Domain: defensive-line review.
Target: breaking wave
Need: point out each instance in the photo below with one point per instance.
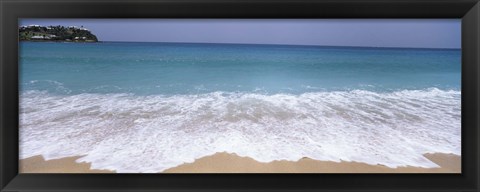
(131, 133)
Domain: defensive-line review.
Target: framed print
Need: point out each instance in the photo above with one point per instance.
(219, 96)
(223, 95)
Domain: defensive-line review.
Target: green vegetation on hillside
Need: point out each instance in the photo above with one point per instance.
(56, 33)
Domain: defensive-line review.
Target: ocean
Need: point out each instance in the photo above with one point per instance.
(147, 107)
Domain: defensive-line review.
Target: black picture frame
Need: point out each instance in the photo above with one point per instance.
(12, 10)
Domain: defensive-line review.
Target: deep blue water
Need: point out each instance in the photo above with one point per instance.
(182, 68)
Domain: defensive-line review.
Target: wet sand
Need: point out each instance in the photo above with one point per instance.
(37, 164)
(231, 163)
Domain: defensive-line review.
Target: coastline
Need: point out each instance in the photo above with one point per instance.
(232, 163)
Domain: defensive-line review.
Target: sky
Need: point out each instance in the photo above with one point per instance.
(414, 33)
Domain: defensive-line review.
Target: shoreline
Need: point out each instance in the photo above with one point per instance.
(231, 163)
(37, 164)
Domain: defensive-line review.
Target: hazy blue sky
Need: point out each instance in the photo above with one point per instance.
(433, 33)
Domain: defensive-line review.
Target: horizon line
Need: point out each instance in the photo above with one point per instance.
(310, 45)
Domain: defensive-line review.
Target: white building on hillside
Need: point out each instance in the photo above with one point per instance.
(37, 37)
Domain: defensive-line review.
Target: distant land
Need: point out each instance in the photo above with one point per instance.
(56, 33)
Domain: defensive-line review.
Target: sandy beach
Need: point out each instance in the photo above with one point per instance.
(37, 164)
(231, 163)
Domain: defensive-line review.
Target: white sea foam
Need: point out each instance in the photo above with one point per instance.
(129, 133)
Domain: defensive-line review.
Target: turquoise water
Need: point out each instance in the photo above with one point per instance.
(147, 107)
(181, 68)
